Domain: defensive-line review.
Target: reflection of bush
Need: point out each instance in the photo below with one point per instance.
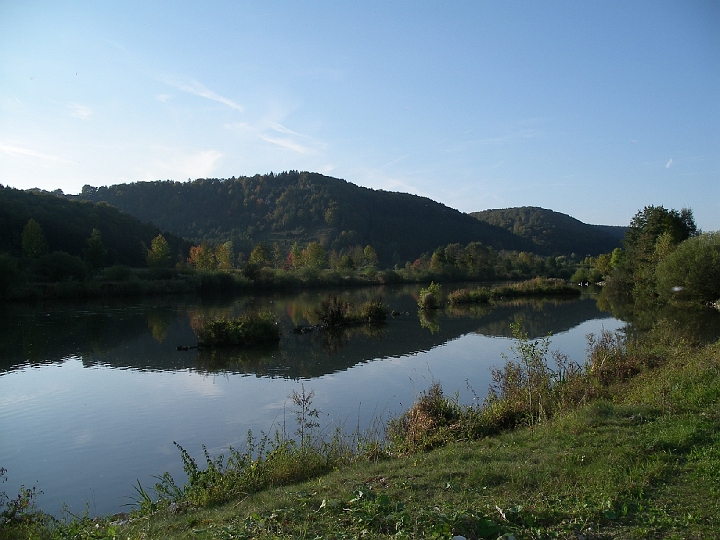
(332, 340)
(429, 320)
(220, 359)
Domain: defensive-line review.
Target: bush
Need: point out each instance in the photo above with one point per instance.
(373, 310)
(59, 266)
(426, 423)
(430, 297)
(692, 271)
(333, 311)
(250, 329)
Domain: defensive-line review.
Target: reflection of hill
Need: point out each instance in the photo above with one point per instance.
(145, 337)
(317, 354)
(32, 334)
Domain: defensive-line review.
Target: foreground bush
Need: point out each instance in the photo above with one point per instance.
(249, 329)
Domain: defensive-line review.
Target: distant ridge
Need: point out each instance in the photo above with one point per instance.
(303, 207)
(553, 231)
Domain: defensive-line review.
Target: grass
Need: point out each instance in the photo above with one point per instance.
(625, 447)
(533, 287)
(246, 330)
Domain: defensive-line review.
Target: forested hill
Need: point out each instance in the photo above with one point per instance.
(555, 232)
(302, 207)
(67, 225)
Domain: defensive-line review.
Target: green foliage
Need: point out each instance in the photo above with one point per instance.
(304, 207)
(334, 312)
(249, 329)
(654, 233)
(67, 224)
(95, 253)
(159, 254)
(532, 287)
(373, 310)
(314, 256)
(430, 422)
(225, 256)
(429, 297)
(59, 266)
(33, 241)
(692, 271)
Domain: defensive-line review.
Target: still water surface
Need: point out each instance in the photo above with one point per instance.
(93, 395)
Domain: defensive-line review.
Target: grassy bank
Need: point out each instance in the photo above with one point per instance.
(625, 447)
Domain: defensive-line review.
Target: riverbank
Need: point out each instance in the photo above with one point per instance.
(124, 282)
(624, 449)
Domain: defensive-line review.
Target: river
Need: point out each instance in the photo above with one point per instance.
(93, 394)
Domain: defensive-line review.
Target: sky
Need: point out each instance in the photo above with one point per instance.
(595, 109)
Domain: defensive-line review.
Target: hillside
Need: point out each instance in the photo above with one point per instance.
(302, 207)
(67, 224)
(555, 232)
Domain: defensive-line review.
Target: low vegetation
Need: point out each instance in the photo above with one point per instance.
(533, 287)
(246, 330)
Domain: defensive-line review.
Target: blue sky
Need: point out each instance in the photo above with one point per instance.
(594, 109)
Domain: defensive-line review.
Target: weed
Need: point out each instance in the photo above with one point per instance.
(305, 415)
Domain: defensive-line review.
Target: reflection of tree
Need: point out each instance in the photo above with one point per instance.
(159, 321)
(429, 320)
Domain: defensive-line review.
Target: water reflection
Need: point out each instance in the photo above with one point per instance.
(87, 434)
(145, 336)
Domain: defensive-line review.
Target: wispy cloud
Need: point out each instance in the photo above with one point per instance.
(12, 150)
(81, 111)
(163, 97)
(667, 165)
(198, 89)
(288, 144)
(290, 140)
